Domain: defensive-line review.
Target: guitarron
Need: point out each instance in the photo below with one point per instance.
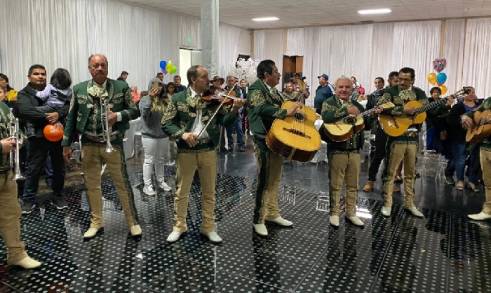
(398, 125)
(345, 128)
(295, 138)
(482, 120)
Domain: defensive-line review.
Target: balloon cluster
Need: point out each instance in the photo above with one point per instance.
(440, 77)
(168, 67)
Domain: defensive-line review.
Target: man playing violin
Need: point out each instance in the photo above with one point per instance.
(344, 157)
(485, 157)
(402, 148)
(264, 107)
(186, 119)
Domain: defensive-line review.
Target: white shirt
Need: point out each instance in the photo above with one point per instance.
(198, 123)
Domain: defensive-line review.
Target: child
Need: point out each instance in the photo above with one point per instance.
(57, 93)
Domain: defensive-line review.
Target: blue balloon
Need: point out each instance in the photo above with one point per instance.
(441, 78)
(163, 64)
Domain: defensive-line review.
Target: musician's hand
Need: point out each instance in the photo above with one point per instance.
(352, 110)
(112, 118)
(238, 103)
(190, 138)
(467, 122)
(377, 110)
(67, 153)
(293, 110)
(7, 144)
(52, 117)
(409, 112)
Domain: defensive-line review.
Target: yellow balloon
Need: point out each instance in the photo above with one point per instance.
(444, 89)
(432, 78)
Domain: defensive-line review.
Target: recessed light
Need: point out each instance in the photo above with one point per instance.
(374, 11)
(268, 18)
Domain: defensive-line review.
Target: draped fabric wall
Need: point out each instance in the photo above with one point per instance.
(270, 44)
(372, 50)
(64, 33)
(477, 56)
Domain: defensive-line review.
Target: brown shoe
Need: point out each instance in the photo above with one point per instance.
(368, 186)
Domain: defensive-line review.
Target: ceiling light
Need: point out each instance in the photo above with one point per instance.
(374, 11)
(269, 18)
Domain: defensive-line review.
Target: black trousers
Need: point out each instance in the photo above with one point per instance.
(377, 153)
(39, 148)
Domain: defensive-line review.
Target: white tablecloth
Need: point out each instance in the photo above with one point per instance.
(129, 137)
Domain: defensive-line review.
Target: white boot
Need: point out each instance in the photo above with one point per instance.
(26, 263)
(480, 217)
(174, 236)
(281, 222)
(334, 220)
(261, 229)
(212, 236)
(356, 221)
(414, 211)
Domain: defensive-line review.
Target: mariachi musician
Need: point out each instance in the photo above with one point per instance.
(265, 106)
(344, 157)
(402, 148)
(190, 119)
(485, 155)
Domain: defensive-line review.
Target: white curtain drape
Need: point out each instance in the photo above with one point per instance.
(270, 44)
(416, 44)
(477, 56)
(453, 51)
(372, 50)
(64, 33)
(228, 49)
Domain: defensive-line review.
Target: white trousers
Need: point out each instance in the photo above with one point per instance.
(156, 152)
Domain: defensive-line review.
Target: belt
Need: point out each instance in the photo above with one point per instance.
(98, 139)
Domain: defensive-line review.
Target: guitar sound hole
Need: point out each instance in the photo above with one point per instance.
(296, 132)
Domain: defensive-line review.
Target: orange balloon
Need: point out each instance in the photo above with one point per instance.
(444, 89)
(53, 132)
(431, 78)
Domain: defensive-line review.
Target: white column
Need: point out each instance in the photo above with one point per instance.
(209, 25)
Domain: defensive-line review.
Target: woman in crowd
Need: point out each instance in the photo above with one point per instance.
(456, 140)
(10, 93)
(155, 141)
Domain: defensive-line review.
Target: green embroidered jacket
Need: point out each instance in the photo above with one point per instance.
(180, 115)
(83, 107)
(333, 109)
(264, 106)
(486, 105)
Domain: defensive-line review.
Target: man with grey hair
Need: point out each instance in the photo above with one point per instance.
(344, 157)
(86, 118)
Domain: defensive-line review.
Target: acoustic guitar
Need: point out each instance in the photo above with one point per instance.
(398, 125)
(295, 138)
(482, 120)
(345, 128)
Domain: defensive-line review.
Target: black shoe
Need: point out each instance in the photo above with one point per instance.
(27, 207)
(59, 202)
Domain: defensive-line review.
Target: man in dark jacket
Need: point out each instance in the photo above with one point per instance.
(35, 117)
(322, 92)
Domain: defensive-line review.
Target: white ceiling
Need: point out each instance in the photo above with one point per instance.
(301, 13)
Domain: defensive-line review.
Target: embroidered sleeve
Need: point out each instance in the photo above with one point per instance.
(331, 113)
(169, 123)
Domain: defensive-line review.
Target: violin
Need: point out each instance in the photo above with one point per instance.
(211, 97)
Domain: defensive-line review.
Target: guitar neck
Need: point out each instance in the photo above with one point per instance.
(432, 105)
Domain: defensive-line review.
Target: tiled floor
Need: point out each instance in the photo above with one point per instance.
(442, 253)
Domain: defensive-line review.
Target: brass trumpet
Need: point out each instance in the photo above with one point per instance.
(14, 132)
(105, 107)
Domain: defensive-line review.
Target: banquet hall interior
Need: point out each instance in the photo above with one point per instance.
(195, 146)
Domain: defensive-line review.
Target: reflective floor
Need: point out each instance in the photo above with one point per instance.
(442, 253)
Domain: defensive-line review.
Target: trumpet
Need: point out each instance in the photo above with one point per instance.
(105, 107)
(14, 132)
